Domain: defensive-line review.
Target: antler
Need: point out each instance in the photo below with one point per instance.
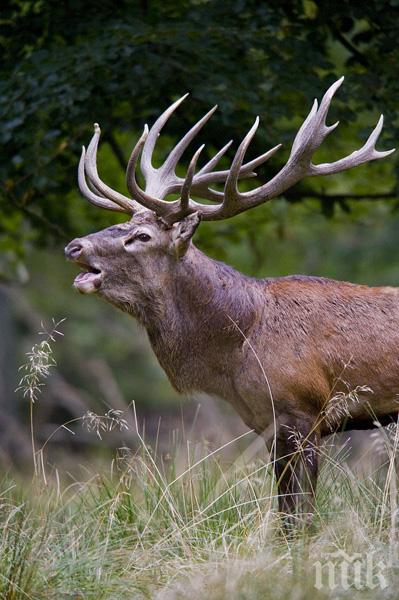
(159, 182)
(96, 191)
(299, 165)
(163, 181)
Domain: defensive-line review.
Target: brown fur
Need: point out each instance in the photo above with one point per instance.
(275, 348)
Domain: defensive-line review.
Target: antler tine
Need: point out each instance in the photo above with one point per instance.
(252, 164)
(158, 205)
(214, 160)
(305, 130)
(90, 165)
(314, 128)
(202, 180)
(146, 158)
(201, 188)
(230, 190)
(131, 182)
(87, 192)
(186, 188)
(366, 153)
(325, 106)
(175, 155)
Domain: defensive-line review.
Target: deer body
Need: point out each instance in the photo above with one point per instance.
(298, 357)
(294, 341)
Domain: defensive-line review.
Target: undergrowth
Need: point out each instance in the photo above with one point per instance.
(192, 527)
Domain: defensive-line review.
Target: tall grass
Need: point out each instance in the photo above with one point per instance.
(189, 526)
(191, 523)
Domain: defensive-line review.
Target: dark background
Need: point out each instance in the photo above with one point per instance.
(67, 64)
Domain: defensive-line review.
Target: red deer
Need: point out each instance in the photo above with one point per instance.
(300, 356)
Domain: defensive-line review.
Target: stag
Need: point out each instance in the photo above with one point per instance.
(286, 351)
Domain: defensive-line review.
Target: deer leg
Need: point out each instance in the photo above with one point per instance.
(296, 468)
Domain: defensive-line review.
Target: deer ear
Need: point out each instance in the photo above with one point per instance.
(183, 231)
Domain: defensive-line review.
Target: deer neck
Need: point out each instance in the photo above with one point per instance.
(203, 313)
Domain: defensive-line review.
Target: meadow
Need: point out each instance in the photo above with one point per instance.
(196, 523)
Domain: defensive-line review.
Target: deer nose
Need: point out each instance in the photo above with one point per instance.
(73, 250)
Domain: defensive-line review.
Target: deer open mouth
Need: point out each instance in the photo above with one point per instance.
(89, 280)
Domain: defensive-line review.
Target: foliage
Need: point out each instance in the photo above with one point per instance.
(67, 65)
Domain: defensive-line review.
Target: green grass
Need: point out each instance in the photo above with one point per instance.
(191, 525)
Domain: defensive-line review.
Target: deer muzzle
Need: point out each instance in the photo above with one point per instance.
(89, 280)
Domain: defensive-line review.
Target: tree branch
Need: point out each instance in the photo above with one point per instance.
(116, 149)
(350, 47)
(38, 218)
(302, 195)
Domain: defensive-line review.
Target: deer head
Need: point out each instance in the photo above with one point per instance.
(129, 264)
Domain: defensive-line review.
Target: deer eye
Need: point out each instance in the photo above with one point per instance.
(143, 237)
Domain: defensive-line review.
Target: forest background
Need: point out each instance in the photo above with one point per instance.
(68, 64)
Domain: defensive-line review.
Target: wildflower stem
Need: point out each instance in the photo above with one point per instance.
(32, 435)
(37, 369)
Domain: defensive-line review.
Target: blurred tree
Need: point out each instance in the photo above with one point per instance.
(67, 64)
